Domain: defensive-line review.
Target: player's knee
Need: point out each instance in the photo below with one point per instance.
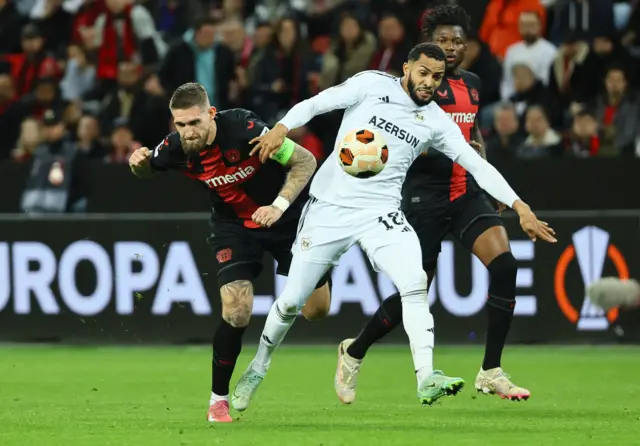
(237, 302)
(318, 304)
(415, 287)
(504, 269)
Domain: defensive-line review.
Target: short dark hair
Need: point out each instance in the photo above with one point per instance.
(204, 21)
(446, 15)
(431, 50)
(191, 94)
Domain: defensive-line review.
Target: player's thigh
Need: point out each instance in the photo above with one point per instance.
(431, 228)
(238, 254)
(279, 243)
(325, 232)
(397, 253)
(480, 229)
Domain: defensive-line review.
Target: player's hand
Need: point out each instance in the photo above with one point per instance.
(501, 208)
(266, 216)
(533, 227)
(476, 146)
(269, 143)
(140, 162)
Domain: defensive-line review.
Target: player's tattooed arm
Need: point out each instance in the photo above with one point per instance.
(302, 165)
(237, 302)
(476, 137)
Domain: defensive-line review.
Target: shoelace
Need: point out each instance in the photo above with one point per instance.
(220, 408)
(352, 376)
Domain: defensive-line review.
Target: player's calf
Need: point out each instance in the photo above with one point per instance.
(318, 305)
(237, 302)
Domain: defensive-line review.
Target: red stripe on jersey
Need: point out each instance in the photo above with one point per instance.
(226, 180)
(458, 185)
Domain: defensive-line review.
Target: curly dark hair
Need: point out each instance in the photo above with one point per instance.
(446, 15)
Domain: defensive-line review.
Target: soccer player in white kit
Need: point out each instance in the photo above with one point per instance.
(344, 210)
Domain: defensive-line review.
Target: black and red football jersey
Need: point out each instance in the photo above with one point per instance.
(238, 183)
(434, 177)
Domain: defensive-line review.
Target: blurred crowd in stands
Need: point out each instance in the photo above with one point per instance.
(558, 76)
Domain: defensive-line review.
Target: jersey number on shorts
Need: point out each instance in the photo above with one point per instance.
(392, 220)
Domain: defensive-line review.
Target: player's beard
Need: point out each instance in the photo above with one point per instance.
(195, 145)
(411, 86)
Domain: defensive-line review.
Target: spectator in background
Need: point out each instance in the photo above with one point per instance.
(237, 40)
(528, 90)
(533, 49)
(10, 24)
(295, 63)
(46, 95)
(259, 79)
(10, 116)
(80, 75)
(197, 57)
(125, 33)
(82, 28)
(126, 100)
(499, 28)
(33, 63)
(618, 112)
(122, 143)
(350, 52)
(542, 141)
(589, 18)
(56, 25)
(393, 47)
(479, 60)
(607, 51)
(501, 145)
(571, 78)
(174, 17)
(88, 137)
(305, 138)
(58, 180)
(584, 140)
(30, 138)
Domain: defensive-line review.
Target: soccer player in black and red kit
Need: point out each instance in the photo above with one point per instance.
(254, 209)
(439, 197)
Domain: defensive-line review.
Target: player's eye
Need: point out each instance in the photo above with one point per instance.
(179, 124)
(194, 122)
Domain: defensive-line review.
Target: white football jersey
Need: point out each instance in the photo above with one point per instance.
(376, 101)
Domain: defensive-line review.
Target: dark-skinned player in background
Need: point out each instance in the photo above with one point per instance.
(439, 197)
(254, 209)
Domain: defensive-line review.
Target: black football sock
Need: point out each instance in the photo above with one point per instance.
(500, 305)
(227, 344)
(388, 317)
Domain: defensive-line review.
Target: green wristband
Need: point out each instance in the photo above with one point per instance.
(284, 153)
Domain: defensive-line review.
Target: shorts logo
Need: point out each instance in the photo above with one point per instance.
(305, 243)
(232, 155)
(590, 249)
(224, 255)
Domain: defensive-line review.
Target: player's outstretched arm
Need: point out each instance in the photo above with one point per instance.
(451, 143)
(140, 163)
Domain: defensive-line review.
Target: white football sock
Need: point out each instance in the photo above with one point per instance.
(275, 329)
(418, 323)
(215, 398)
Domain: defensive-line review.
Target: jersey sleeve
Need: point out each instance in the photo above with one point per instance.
(253, 125)
(450, 141)
(161, 159)
(341, 96)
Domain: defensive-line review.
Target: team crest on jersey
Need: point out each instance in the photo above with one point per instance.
(305, 243)
(224, 255)
(232, 155)
(419, 117)
(474, 94)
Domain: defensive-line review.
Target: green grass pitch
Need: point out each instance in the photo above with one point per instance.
(158, 396)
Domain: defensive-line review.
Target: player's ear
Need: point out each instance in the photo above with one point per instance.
(405, 69)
